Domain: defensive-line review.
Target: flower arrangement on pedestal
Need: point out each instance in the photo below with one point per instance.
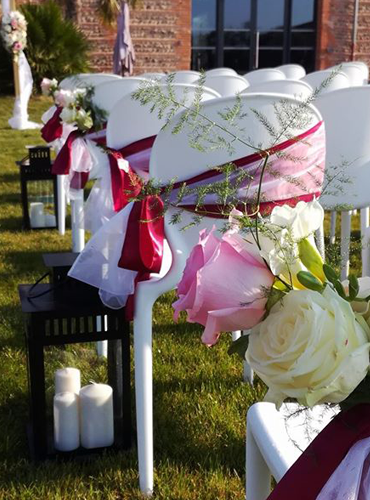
(14, 32)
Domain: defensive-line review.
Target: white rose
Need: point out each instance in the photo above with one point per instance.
(68, 115)
(311, 348)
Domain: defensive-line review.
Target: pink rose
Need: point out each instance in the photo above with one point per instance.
(14, 24)
(223, 285)
(17, 46)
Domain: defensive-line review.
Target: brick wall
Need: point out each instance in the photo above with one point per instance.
(335, 32)
(160, 29)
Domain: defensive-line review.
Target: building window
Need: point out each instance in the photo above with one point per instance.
(250, 34)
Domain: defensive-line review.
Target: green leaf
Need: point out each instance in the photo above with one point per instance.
(339, 289)
(330, 274)
(354, 287)
(274, 296)
(309, 281)
(239, 346)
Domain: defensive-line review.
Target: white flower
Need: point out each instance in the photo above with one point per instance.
(47, 85)
(83, 119)
(311, 347)
(282, 233)
(68, 115)
(64, 98)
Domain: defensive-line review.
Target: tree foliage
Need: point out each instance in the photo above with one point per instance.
(55, 46)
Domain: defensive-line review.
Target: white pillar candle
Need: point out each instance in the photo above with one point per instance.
(50, 220)
(97, 423)
(66, 421)
(37, 216)
(67, 380)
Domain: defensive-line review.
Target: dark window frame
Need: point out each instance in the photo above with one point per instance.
(287, 49)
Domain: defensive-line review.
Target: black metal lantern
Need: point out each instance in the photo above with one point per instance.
(65, 317)
(38, 189)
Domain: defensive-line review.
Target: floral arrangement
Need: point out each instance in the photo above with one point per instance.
(309, 335)
(14, 32)
(78, 106)
(49, 87)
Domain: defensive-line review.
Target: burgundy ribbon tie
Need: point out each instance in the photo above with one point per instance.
(53, 128)
(143, 251)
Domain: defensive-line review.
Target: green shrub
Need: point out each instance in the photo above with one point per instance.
(55, 46)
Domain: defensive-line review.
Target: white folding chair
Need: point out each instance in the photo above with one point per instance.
(276, 439)
(173, 156)
(346, 113)
(357, 72)
(295, 88)
(226, 85)
(154, 75)
(186, 76)
(128, 122)
(264, 75)
(107, 94)
(315, 79)
(221, 71)
(292, 71)
(85, 79)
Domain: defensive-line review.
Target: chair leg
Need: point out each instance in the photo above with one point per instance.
(102, 345)
(61, 205)
(345, 241)
(333, 223)
(320, 241)
(144, 396)
(364, 241)
(366, 253)
(248, 373)
(78, 234)
(258, 476)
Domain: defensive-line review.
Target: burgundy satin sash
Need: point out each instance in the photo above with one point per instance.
(143, 248)
(122, 187)
(308, 475)
(125, 184)
(63, 161)
(53, 128)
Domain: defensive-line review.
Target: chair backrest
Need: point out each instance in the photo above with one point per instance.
(172, 156)
(221, 71)
(184, 77)
(85, 79)
(129, 121)
(346, 113)
(357, 72)
(290, 87)
(226, 85)
(107, 94)
(264, 75)
(292, 71)
(153, 75)
(339, 81)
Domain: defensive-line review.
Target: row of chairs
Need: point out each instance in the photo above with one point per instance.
(164, 154)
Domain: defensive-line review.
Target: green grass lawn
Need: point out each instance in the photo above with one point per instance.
(200, 401)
